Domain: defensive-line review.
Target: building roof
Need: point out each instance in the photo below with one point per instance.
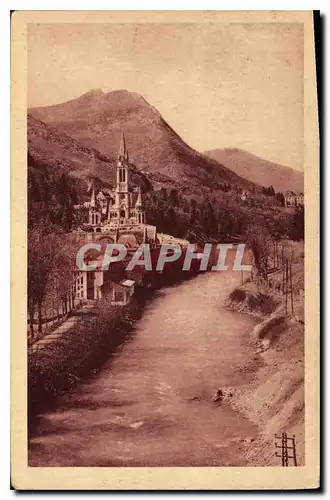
(100, 196)
(127, 283)
(130, 240)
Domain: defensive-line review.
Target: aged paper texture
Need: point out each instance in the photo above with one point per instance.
(165, 242)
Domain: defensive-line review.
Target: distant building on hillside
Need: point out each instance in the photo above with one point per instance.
(244, 195)
(292, 199)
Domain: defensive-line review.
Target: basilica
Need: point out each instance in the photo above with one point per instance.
(121, 207)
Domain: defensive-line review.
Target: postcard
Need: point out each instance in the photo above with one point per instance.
(165, 251)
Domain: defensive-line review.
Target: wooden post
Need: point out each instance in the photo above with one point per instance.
(53, 312)
(285, 450)
(46, 319)
(294, 450)
(57, 303)
(291, 288)
(286, 286)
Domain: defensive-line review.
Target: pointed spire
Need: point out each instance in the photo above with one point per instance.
(122, 148)
(139, 198)
(92, 202)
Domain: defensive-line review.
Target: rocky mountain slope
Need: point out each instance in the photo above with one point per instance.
(258, 170)
(49, 149)
(97, 120)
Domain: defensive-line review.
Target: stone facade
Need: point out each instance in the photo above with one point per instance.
(292, 199)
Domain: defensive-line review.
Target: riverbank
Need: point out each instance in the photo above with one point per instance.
(150, 403)
(87, 343)
(274, 399)
(78, 352)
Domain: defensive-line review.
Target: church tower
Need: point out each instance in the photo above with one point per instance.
(139, 208)
(94, 213)
(124, 212)
(122, 194)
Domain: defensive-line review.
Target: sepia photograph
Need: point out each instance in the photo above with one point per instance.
(169, 194)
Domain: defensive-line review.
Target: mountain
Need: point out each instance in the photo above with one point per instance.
(49, 149)
(97, 120)
(258, 170)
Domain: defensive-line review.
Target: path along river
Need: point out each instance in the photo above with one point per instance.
(151, 403)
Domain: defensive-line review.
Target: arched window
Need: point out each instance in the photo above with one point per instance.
(122, 175)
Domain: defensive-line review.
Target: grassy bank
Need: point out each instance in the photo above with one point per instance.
(82, 349)
(274, 400)
(77, 353)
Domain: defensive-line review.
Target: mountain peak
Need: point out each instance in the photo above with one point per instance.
(93, 94)
(258, 170)
(128, 96)
(97, 120)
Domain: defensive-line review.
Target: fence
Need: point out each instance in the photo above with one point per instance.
(280, 260)
(52, 316)
(287, 445)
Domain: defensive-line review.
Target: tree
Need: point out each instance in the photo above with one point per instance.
(208, 220)
(257, 239)
(297, 232)
(163, 194)
(174, 198)
(280, 198)
(51, 257)
(41, 259)
(67, 217)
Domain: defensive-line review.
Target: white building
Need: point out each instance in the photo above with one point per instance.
(292, 199)
(122, 292)
(89, 284)
(124, 207)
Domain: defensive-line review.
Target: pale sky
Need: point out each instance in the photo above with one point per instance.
(217, 85)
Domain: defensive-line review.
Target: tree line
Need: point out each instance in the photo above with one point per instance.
(218, 217)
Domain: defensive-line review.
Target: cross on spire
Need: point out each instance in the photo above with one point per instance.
(123, 153)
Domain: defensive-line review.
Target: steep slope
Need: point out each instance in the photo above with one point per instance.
(258, 170)
(97, 120)
(50, 149)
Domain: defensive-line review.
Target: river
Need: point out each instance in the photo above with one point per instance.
(151, 403)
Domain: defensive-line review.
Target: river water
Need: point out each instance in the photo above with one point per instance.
(151, 403)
